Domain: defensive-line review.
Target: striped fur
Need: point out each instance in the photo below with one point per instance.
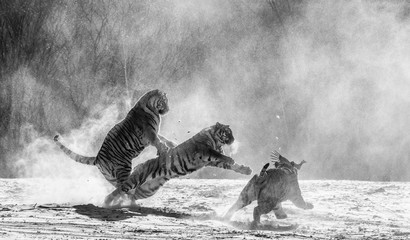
(128, 138)
(270, 188)
(203, 149)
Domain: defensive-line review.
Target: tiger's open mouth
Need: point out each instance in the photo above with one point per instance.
(229, 141)
(162, 111)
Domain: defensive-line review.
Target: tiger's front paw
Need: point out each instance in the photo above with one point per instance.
(281, 215)
(247, 170)
(309, 206)
(228, 161)
(242, 169)
(162, 149)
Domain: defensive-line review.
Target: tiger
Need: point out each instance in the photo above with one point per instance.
(270, 188)
(128, 138)
(203, 149)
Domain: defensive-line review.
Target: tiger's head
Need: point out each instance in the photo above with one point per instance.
(155, 100)
(223, 134)
(283, 163)
(287, 166)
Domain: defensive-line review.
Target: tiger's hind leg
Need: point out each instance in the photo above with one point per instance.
(246, 197)
(117, 179)
(122, 174)
(263, 207)
(239, 204)
(114, 199)
(141, 174)
(147, 189)
(279, 212)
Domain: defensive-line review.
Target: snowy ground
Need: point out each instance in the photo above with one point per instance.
(189, 209)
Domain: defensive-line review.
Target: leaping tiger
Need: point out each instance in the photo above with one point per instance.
(128, 138)
(270, 188)
(203, 149)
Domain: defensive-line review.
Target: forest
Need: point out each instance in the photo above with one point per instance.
(320, 81)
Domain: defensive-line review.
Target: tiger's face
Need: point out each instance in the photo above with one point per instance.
(162, 104)
(159, 102)
(223, 134)
(287, 165)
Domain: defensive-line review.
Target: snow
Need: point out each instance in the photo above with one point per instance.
(190, 209)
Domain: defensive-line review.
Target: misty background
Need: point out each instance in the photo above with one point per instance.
(324, 81)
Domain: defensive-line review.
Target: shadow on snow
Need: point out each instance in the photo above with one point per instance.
(116, 214)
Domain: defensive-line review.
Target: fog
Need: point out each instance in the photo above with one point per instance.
(350, 73)
(327, 82)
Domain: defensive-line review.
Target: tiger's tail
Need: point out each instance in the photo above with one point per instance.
(263, 170)
(76, 157)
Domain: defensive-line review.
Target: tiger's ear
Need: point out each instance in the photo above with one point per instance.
(162, 93)
(218, 125)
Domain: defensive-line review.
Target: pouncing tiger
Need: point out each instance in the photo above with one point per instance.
(128, 138)
(270, 188)
(203, 149)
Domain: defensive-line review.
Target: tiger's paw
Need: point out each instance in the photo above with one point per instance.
(254, 225)
(228, 161)
(162, 149)
(281, 215)
(113, 199)
(243, 170)
(309, 206)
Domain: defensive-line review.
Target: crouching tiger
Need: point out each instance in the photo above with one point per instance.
(203, 149)
(270, 188)
(128, 138)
